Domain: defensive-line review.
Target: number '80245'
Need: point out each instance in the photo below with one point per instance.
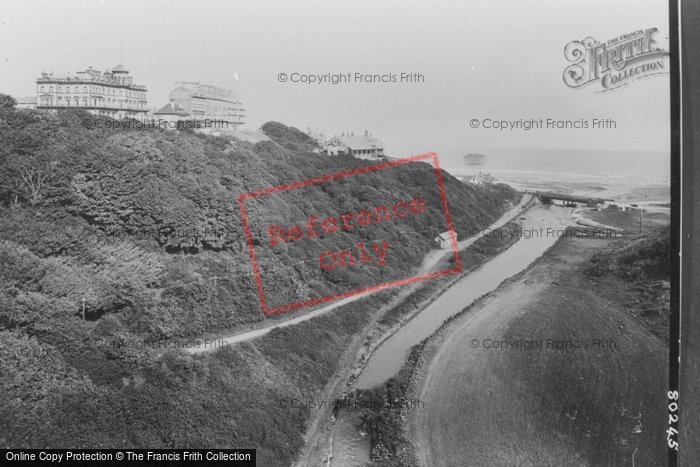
(672, 432)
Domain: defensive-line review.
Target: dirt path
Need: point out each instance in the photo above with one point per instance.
(592, 405)
(429, 262)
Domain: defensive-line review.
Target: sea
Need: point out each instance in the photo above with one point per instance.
(651, 166)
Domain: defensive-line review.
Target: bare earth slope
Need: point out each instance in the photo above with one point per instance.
(594, 405)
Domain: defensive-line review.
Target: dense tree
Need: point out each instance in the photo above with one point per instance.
(7, 101)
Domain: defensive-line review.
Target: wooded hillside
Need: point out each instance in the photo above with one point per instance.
(142, 227)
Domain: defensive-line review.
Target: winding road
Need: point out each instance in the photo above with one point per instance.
(429, 262)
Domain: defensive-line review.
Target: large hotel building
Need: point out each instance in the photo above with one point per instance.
(110, 93)
(202, 102)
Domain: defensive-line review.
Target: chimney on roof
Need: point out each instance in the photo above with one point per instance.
(365, 133)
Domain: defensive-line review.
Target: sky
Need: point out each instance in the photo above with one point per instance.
(479, 60)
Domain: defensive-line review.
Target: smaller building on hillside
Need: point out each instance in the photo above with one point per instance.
(332, 148)
(171, 113)
(362, 147)
(482, 179)
(444, 240)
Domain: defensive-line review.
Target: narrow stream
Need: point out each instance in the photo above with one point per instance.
(391, 355)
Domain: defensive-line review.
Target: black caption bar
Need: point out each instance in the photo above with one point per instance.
(125, 457)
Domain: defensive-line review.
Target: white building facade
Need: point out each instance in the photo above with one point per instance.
(205, 102)
(110, 93)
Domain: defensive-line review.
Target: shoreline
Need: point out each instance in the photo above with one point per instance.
(623, 189)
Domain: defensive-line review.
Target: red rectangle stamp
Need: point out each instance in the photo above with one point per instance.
(307, 244)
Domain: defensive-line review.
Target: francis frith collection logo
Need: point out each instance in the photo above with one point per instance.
(614, 63)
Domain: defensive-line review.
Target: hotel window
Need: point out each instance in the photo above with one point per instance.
(84, 88)
(41, 89)
(50, 88)
(75, 89)
(85, 102)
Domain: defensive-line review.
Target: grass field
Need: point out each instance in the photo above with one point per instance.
(628, 220)
(596, 404)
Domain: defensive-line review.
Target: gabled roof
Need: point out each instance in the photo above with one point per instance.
(484, 178)
(169, 110)
(377, 143)
(446, 235)
(357, 143)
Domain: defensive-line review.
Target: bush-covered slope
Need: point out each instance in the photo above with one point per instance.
(146, 223)
(636, 273)
(641, 258)
(142, 229)
(289, 137)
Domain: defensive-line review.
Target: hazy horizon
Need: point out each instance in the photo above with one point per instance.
(501, 61)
